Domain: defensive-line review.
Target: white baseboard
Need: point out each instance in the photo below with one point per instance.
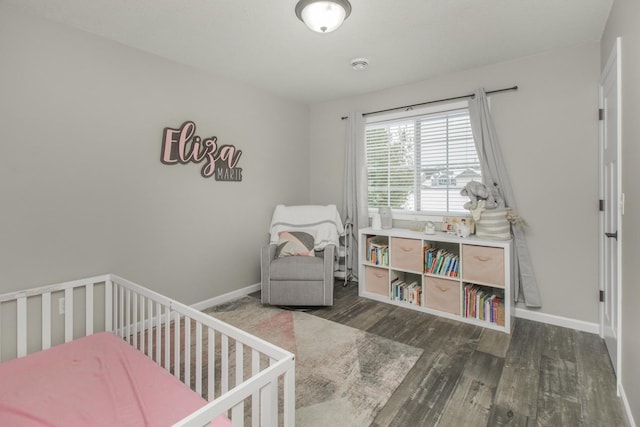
(627, 408)
(221, 299)
(551, 319)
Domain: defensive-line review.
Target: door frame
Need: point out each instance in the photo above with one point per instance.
(614, 60)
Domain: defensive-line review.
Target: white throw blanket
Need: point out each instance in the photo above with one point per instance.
(323, 222)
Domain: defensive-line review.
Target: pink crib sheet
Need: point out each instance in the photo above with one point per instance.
(98, 380)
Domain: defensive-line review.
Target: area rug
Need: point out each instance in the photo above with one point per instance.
(344, 376)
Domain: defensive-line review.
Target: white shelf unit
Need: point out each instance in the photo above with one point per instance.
(483, 263)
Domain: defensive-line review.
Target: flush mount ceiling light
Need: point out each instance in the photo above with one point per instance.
(323, 16)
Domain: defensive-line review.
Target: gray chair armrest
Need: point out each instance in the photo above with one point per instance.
(267, 254)
(329, 264)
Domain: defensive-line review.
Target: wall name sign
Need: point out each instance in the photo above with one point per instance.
(182, 146)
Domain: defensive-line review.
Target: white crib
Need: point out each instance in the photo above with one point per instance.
(241, 376)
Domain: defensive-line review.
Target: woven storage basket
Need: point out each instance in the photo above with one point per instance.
(493, 225)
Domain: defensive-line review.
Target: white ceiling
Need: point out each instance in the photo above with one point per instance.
(263, 44)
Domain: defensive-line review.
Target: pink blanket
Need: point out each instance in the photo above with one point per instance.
(97, 380)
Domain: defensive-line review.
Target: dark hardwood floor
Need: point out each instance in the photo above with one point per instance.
(540, 375)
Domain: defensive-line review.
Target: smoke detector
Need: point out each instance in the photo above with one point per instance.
(359, 64)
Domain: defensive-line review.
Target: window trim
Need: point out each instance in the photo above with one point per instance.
(418, 216)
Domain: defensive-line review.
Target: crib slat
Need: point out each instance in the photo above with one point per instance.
(21, 314)
(116, 311)
(46, 320)
(239, 362)
(187, 351)
(167, 338)
(108, 306)
(127, 315)
(88, 309)
(150, 328)
(199, 358)
(268, 417)
(224, 371)
(143, 323)
(273, 398)
(211, 366)
(121, 312)
(158, 333)
(68, 315)
(290, 397)
(255, 402)
(237, 415)
(134, 320)
(176, 346)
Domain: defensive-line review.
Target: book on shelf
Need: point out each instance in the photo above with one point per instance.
(484, 304)
(441, 262)
(377, 251)
(406, 292)
(426, 254)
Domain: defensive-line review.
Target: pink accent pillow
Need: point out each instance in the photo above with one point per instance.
(294, 243)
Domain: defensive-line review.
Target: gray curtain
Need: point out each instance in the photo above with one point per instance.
(494, 173)
(355, 208)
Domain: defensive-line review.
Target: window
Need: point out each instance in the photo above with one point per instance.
(419, 163)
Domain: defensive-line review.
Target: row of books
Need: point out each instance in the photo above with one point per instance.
(377, 251)
(406, 292)
(482, 304)
(441, 262)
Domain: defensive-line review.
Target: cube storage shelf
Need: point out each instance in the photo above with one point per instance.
(465, 279)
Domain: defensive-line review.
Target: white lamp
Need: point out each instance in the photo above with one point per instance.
(323, 16)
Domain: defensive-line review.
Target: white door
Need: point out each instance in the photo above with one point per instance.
(611, 206)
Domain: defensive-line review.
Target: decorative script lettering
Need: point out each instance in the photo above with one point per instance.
(182, 146)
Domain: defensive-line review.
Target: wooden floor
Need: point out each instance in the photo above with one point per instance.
(540, 375)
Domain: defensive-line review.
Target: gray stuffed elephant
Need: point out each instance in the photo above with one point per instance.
(478, 191)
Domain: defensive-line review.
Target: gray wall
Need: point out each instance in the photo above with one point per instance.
(82, 188)
(623, 22)
(548, 131)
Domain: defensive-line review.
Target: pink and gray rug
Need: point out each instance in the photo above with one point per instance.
(344, 376)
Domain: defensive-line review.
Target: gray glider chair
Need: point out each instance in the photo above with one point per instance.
(294, 280)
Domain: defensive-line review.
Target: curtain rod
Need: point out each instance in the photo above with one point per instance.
(471, 95)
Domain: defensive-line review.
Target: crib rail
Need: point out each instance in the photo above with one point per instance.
(238, 373)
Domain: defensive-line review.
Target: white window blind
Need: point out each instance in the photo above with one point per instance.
(420, 163)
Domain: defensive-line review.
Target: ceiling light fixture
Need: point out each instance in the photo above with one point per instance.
(323, 16)
(359, 64)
